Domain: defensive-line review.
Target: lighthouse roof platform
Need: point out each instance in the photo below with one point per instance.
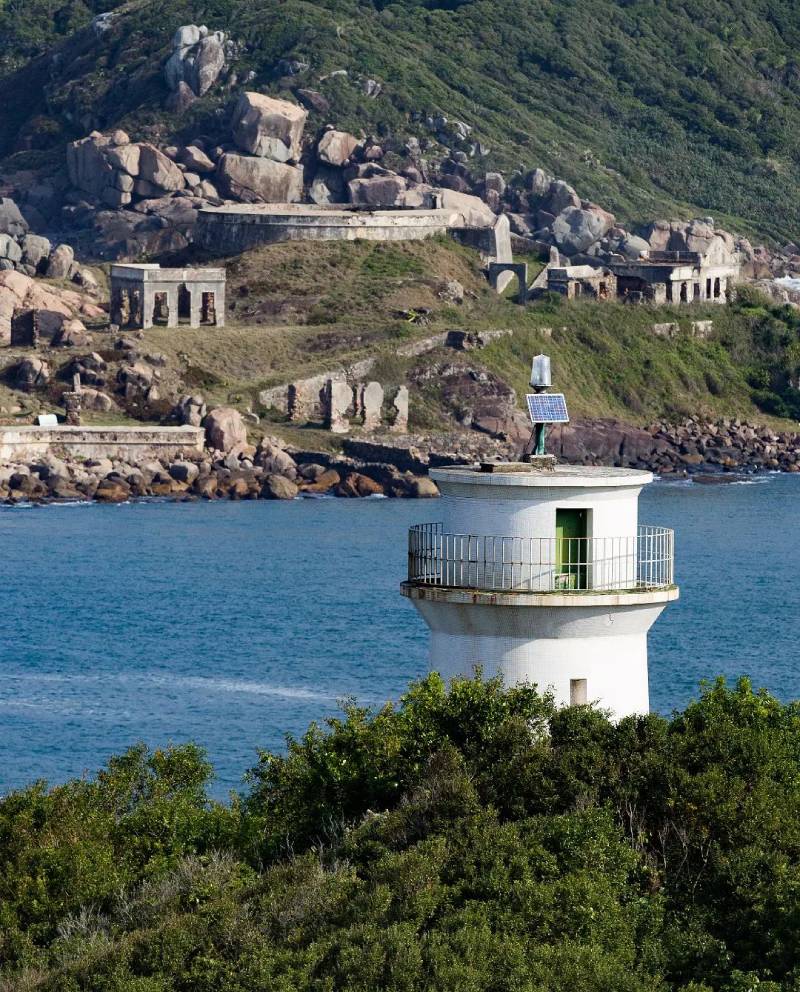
(522, 474)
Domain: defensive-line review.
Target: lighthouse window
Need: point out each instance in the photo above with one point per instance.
(577, 692)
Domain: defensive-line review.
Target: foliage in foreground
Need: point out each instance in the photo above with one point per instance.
(477, 839)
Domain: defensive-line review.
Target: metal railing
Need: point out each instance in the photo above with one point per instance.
(541, 564)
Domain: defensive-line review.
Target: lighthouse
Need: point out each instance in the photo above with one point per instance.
(542, 572)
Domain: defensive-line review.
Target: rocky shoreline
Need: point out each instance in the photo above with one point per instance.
(396, 468)
(263, 472)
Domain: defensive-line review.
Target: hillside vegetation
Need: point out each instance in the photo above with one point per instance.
(648, 108)
(474, 839)
(296, 310)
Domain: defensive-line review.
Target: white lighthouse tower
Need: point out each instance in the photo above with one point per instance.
(542, 573)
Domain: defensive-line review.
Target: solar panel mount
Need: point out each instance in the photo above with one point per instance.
(547, 408)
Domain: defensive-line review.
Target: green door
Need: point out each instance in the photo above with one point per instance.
(571, 549)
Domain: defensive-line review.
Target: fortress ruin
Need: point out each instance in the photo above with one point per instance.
(142, 295)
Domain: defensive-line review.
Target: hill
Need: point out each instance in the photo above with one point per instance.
(650, 109)
(473, 839)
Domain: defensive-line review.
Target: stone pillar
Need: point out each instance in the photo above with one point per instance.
(172, 306)
(195, 305)
(338, 400)
(133, 306)
(115, 310)
(400, 407)
(148, 305)
(371, 402)
(72, 402)
(219, 304)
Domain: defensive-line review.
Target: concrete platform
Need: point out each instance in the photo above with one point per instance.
(131, 444)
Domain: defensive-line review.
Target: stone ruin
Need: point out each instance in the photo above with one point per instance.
(339, 404)
(362, 403)
(143, 294)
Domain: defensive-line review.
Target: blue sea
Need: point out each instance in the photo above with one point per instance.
(233, 624)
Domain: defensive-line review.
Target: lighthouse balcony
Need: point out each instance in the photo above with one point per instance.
(639, 562)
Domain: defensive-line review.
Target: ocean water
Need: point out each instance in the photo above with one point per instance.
(231, 624)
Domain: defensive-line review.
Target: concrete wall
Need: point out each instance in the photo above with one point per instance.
(131, 444)
(549, 647)
(236, 229)
(530, 512)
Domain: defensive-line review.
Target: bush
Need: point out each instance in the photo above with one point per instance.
(474, 838)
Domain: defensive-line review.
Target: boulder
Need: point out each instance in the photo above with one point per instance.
(31, 374)
(381, 191)
(225, 429)
(35, 250)
(125, 158)
(71, 334)
(324, 482)
(87, 165)
(204, 67)
(184, 472)
(258, 180)
(355, 484)
(422, 487)
(276, 461)
(186, 36)
(197, 60)
(96, 399)
(559, 197)
(575, 228)
(633, 247)
(313, 100)
(180, 99)
(60, 262)
(657, 234)
(468, 210)
(11, 220)
(327, 186)
(336, 147)
(155, 168)
(10, 249)
(196, 160)
(112, 490)
(278, 487)
(268, 127)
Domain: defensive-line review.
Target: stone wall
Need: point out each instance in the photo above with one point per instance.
(131, 444)
(234, 229)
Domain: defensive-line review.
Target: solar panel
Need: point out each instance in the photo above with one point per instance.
(547, 408)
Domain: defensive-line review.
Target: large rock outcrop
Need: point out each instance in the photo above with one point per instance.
(576, 229)
(197, 60)
(258, 180)
(268, 127)
(225, 429)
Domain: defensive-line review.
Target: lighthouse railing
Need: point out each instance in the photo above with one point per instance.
(640, 561)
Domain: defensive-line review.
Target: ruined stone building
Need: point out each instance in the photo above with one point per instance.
(142, 295)
(574, 281)
(677, 276)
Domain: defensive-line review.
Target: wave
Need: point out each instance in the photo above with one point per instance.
(145, 680)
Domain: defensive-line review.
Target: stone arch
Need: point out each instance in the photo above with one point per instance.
(518, 269)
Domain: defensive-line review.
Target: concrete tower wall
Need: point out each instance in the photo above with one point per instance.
(567, 613)
(555, 649)
(512, 511)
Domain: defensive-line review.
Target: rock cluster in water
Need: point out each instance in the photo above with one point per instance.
(247, 472)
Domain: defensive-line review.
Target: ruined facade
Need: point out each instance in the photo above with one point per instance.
(142, 295)
(677, 277)
(575, 281)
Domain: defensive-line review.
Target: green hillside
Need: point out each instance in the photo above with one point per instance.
(648, 107)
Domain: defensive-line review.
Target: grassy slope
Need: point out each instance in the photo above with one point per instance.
(605, 356)
(650, 108)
